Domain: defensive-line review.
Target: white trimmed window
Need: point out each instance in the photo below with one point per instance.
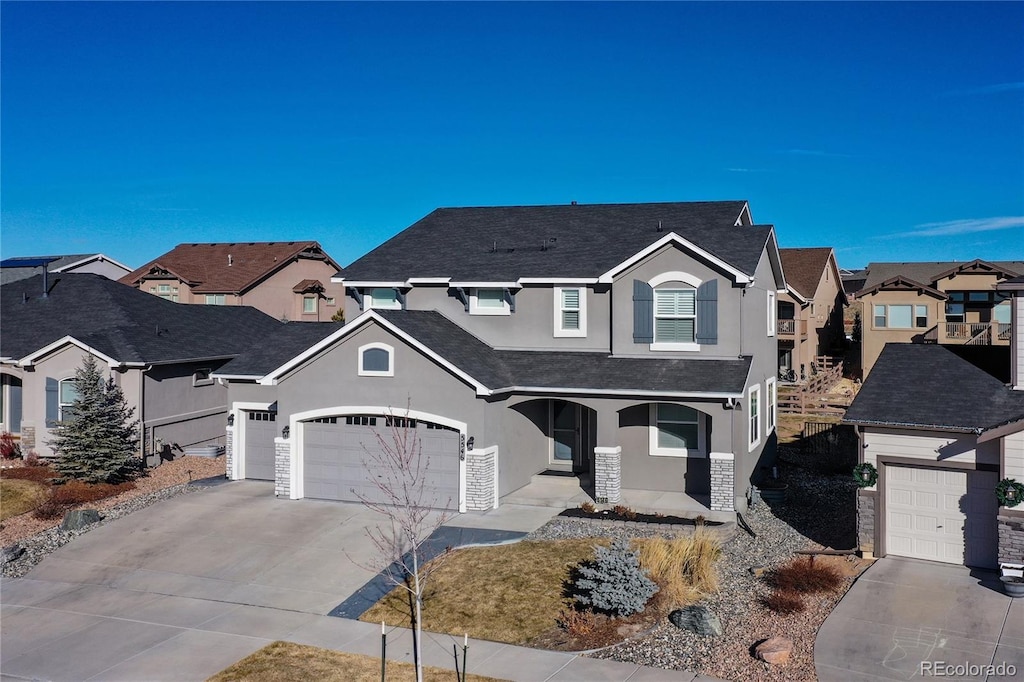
(772, 312)
(901, 316)
(202, 377)
(770, 400)
(308, 304)
(754, 414)
(570, 311)
(376, 360)
(676, 431)
(165, 291)
(383, 298)
(67, 395)
(675, 315)
(488, 302)
(216, 299)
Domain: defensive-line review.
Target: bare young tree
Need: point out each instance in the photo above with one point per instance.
(411, 511)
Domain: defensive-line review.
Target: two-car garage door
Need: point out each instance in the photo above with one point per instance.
(342, 458)
(941, 515)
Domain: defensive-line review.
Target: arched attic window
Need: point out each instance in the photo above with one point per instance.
(376, 360)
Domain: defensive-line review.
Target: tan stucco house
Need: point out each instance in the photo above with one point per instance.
(286, 280)
(946, 303)
(810, 316)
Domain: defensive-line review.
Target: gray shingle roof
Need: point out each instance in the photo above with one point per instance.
(499, 369)
(923, 272)
(926, 385)
(122, 322)
(284, 343)
(12, 271)
(504, 243)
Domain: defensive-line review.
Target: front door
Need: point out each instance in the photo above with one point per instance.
(565, 435)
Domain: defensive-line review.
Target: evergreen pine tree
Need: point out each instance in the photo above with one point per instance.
(97, 440)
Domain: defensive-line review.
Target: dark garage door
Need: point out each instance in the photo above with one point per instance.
(260, 430)
(337, 459)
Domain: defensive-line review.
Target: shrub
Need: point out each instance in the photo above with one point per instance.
(9, 448)
(588, 507)
(805, 576)
(32, 459)
(783, 602)
(40, 473)
(684, 568)
(614, 582)
(576, 623)
(624, 511)
(62, 497)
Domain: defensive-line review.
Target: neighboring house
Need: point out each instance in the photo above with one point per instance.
(942, 433)
(162, 355)
(853, 280)
(286, 280)
(810, 320)
(946, 303)
(13, 269)
(632, 345)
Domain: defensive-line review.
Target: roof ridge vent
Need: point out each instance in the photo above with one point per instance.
(659, 226)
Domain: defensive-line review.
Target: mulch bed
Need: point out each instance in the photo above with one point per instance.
(611, 515)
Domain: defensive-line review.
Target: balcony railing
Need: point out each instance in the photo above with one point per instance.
(976, 333)
(791, 327)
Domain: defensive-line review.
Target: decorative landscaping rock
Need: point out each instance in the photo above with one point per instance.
(757, 571)
(10, 553)
(774, 651)
(79, 518)
(699, 619)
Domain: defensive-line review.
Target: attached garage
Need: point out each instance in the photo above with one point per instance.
(942, 515)
(340, 458)
(259, 429)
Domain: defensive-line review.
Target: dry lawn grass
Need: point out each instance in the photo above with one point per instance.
(509, 593)
(19, 496)
(288, 661)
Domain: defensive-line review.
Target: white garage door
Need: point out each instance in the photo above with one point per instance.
(260, 430)
(339, 462)
(941, 515)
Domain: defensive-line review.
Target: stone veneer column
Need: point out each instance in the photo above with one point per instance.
(229, 451)
(722, 481)
(482, 479)
(866, 521)
(1011, 535)
(282, 467)
(28, 439)
(608, 474)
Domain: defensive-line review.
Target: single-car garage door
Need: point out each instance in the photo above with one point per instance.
(339, 462)
(260, 430)
(941, 515)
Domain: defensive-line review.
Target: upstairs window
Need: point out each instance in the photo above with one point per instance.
(901, 316)
(754, 410)
(216, 299)
(376, 360)
(570, 311)
(165, 291)
(771, 313)
(202, 377)
(384, 298)
(488, 302)
(675, 315)
(68, 393)
(308, 304)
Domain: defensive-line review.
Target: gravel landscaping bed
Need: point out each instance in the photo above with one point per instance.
(39, 537)
(814, 515)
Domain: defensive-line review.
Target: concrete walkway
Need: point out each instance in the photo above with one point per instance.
(902, 613)
(186, 587)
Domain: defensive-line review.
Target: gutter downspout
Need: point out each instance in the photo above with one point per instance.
(142, 414)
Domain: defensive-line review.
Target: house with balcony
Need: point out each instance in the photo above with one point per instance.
(810, 310)
(628, 349)
(286, 280)
(945, 303)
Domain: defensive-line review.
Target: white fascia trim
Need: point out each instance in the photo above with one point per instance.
(372, 283)
(238, 444)
(485, 285)
(30, 359)
(673, 238)
(236, 377)
(412, 281)
(98, 256)
(609, 391)
(271, 378)
(793, 292)
(558, 280)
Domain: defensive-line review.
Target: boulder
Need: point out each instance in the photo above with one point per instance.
(79, 518)
(699, 619)
(10, 553)
(775, 650)
(757, 571)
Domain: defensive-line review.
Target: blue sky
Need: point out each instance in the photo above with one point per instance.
(890, 131)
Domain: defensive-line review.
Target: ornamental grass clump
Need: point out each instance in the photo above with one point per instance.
(683, 568)
(614, 582)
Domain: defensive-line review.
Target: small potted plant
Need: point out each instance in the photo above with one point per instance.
(1013, 579)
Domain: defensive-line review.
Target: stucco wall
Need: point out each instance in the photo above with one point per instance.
(275, 297)
(873, 338)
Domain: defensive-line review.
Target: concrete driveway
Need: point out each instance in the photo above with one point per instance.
(904, 618)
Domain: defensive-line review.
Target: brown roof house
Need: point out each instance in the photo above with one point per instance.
(947, 303)
(287, 280)
(810, 317)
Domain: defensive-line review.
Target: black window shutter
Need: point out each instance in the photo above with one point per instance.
(643, 312)
(52, 407)
(707, 313)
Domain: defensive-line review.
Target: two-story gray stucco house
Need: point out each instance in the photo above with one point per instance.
(633, 345)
